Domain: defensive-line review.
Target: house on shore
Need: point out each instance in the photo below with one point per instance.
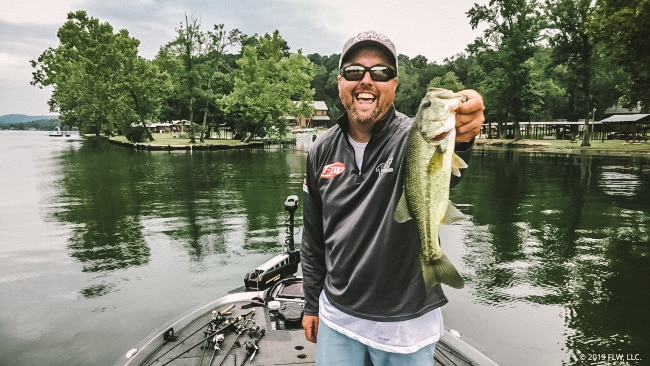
(320, 118)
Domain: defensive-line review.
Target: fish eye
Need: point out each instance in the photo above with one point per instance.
(426, 104)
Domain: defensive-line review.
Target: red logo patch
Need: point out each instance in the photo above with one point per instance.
(332, 170)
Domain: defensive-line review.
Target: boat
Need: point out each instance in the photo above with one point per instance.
(56, 132)
(68, 134)
(260, 324)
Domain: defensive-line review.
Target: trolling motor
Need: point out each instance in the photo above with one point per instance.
(282, 265)
(291, 205)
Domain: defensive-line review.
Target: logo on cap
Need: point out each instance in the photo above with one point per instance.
(369, 36)
(373, 36)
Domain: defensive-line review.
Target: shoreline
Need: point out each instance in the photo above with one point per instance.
(599, 148)
(179, 144)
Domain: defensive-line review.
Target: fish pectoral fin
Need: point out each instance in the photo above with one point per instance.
(452, 215)
(457, 163)
(435, 164)
(402, 213)
(441, 271)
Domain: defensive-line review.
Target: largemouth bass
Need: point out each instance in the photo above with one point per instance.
(430, 161)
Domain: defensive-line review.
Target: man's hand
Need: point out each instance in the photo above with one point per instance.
(310, 325)
(469, 116)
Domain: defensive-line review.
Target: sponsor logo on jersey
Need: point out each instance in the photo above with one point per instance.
(332, 170)
(385, 167)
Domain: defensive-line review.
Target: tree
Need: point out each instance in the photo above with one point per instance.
(572, 47)
(266, 84)
(325, 82)
(216, 68)
(146, 92)
(510, 39)
(100, 84)
(623, 27)
(201, 65)
(410, 89)
(448, 81)
(186, 48)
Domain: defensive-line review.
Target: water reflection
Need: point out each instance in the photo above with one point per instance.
(117, 201)
(540, 232)
(554, 244)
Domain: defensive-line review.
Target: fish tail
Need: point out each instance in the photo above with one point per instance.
(441, 270)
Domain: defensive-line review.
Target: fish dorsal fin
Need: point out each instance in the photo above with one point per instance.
(452, 215)
(402, 213)
(457, 163)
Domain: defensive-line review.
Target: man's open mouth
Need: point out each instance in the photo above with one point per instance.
(365, 98)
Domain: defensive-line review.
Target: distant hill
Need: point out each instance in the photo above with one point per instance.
(21, 118)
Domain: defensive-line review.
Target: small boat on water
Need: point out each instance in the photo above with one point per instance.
(56, 132)
(262, 326)
(68, 134)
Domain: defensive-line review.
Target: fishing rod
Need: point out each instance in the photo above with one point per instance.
(252, 347)
(223, 329)
(235, 343)
(219, 317)
(216, 319)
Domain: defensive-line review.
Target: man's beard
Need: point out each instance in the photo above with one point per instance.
(373, 117)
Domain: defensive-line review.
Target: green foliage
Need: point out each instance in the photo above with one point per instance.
(448, 81)
(41, 125)
(623, 28)
(571, 48)
(325, 82)
(100, 84)
(137, 134)
(409, 91)
(510, 39)
(556, 59)
(265, 86)
(201, 71)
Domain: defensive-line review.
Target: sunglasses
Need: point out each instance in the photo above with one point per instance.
(377, 73)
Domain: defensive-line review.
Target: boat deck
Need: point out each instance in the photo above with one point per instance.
(276, 346)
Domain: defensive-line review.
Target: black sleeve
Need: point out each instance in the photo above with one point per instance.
(312, 250)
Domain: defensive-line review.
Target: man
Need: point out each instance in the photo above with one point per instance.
(365, 299)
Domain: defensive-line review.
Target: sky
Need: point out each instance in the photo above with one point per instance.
(436, 29)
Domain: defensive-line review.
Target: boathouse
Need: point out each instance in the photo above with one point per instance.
(632, 127)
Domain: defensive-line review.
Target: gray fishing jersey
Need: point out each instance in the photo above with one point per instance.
(352, 248)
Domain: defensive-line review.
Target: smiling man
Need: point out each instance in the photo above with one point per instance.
(365, 299)
(365, 100)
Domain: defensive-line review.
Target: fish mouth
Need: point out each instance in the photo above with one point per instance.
(365, 98)
(439, 137)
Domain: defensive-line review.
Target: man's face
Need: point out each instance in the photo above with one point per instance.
(367, 100)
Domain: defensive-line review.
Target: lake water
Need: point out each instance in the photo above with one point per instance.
(100, 245)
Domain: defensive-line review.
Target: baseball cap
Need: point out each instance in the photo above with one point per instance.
(369, 37)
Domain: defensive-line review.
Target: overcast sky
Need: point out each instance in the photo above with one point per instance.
(436, 29)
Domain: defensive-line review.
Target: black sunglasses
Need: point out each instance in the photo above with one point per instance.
(377, 73)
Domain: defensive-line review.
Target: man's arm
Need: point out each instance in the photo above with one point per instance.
(312, 253)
